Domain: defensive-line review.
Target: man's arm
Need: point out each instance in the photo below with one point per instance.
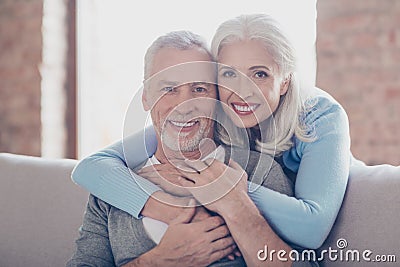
(185, 243)
(93, 246)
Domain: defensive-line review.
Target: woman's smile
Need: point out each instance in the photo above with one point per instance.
(244, 109)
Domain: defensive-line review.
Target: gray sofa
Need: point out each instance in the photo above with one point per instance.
(41, 210)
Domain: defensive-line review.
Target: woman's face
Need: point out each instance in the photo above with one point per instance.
(249, 82)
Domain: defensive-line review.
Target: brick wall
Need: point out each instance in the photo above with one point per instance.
(358, 53)
(20, 57)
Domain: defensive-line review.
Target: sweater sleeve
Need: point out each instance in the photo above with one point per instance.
(322, 167)
(93, 247)
(107, 174)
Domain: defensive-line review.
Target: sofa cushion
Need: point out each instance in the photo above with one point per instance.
(41, 210)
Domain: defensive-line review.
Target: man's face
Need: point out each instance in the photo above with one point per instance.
(181, 97)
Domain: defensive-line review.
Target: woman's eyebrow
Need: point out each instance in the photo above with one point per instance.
(226, 68)
(260, 67)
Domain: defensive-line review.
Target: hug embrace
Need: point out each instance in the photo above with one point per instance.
(240, 155)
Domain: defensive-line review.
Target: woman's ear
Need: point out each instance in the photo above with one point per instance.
(285, 84)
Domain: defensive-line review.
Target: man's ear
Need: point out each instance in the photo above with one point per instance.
(285, 84)
(145, 101)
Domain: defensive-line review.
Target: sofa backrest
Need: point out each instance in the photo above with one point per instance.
(41, 210)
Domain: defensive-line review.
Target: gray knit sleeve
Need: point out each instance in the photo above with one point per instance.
(276, 180)
(264, 170)
(93, 246)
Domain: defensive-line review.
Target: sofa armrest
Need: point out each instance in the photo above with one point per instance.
(370, 215)
(41, 210)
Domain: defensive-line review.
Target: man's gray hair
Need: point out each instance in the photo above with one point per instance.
(182, 40)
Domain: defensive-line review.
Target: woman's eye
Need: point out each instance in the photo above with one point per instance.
(228, 74)
(261, 74)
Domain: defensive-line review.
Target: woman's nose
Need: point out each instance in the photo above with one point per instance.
(244, 87)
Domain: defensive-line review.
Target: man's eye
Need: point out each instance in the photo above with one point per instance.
(200, 89)
(167, 89)
(228, 74)
(261, 74)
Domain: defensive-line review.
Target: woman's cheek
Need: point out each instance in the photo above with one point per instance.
(224, 94)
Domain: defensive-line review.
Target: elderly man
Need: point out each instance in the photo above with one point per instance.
(180, 95)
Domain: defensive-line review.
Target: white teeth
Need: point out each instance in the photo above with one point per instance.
(245, 108)
(183, 124)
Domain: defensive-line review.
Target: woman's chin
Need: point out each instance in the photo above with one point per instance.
(244, 123)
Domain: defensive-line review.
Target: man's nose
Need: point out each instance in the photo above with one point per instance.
(185, 100)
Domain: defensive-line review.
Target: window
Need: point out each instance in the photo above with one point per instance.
(113, 38)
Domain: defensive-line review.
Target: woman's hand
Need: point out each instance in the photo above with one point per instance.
(217, 186)
(165, 176)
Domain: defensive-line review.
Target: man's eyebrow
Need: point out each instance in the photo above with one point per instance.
(200, 83)
(167, 82)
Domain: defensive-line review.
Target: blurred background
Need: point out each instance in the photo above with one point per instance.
(69, 68)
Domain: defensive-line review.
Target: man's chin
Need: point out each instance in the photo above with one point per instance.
(182, 145)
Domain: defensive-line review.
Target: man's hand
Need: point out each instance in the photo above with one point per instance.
(217, 186)
(165, 176)
(190, 244)
(202, 214)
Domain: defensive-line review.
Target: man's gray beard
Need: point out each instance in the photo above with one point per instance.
(186, 144)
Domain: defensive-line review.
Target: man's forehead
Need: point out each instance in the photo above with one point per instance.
(168, 57)
(184, 73)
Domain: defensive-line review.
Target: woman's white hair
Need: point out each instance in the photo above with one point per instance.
(288, 119)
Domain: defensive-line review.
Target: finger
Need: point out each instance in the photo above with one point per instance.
(181, 166)
(186, 182)
(219, 232)
(231, 257)
(234, 165)
(186, 215)
(237, 253)
(150, 168)
(154, 178)
(157, 167)
(223, 243)
(196, 165)
(219, 254)
(211, 223)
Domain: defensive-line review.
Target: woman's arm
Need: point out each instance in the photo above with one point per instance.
(106, 174)
(322, 168)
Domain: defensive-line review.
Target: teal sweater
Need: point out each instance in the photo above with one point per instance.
(305, 220)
